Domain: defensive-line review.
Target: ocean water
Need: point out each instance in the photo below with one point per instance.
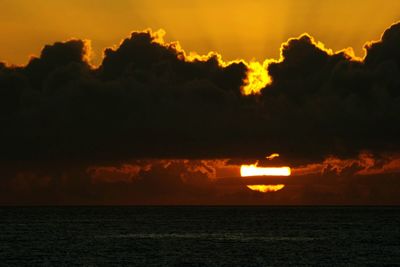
(200, 236)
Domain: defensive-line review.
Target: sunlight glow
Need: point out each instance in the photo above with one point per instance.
(272, 156)
(254, 170)
(266, 188)
(257, 78)
(257, 74)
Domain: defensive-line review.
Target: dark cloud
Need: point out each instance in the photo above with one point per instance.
(137, 182)
(146, 99)
(149, 99)
(195, 182)
(333, 104)
(387, 49)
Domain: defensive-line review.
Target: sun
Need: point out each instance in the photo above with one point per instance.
(254, 170)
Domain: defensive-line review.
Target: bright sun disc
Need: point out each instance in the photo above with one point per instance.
(253, 170)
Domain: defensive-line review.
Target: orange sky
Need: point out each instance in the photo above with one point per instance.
(251, 29)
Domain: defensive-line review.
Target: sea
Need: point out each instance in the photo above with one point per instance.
(199, 236)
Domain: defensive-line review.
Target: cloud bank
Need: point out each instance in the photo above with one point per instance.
(149, 99)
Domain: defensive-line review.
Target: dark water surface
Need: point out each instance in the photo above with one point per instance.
(200, 236)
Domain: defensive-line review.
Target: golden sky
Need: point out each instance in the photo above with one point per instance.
(252, 29)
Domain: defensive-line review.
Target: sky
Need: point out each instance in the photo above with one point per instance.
(156, 103)
(251, 29)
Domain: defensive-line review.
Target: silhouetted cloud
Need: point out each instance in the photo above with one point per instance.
(326, 103)
(196, 182)
(146, 99)
(150, 99)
